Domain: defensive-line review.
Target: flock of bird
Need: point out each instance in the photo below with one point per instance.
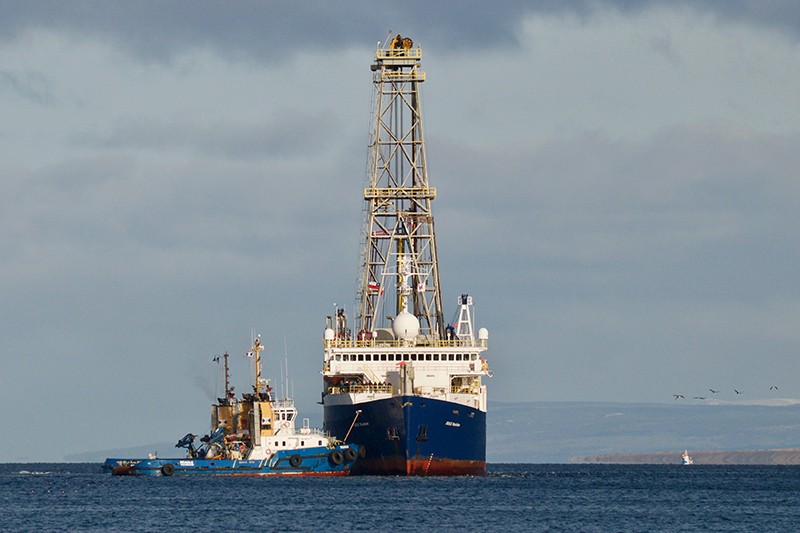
(715, 391)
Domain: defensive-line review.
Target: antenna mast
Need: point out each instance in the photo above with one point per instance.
(227, 378)
(399, 259)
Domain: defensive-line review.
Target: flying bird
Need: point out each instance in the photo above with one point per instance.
(713, 391)
(737, 391)
(678, 396)
(774, 387)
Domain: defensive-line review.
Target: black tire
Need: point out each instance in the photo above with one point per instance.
(362, 451)
(168, 469)
(295, 461)
(350, 454)
(336, 457)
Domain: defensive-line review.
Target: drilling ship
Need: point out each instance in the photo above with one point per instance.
(401, 381)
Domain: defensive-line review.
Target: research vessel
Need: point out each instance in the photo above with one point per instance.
(401, 380)
(255, 435)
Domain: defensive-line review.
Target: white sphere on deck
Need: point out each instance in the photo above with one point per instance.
(405, 326)
(483, 334)
(329, 335)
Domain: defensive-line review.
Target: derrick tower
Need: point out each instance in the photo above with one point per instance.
(399, 265)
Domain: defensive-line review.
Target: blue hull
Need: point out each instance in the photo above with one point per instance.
(411, 435)
(319, 461)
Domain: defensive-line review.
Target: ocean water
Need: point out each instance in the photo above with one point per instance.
(519, 497)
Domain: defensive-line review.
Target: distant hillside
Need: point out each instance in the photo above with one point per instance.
(557, 432)
(163, 449)
(748, 457)
(560, 432)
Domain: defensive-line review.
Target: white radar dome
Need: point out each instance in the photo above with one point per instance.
(483, 334)
(405, 326)
(328, 334)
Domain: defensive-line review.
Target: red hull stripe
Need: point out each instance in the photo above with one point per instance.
(396, 466)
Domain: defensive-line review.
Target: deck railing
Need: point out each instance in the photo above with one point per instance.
(395, 343)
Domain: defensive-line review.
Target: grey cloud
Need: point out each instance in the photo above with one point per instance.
(274, 31)
(286, 133)
(32, 86)
(698, 210)
(265, 31)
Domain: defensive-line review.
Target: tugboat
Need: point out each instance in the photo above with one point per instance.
(252, 436)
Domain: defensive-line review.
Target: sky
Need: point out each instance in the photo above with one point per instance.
(617, 189)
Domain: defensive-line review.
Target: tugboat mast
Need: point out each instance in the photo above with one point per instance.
(259, 384)
(399, 263)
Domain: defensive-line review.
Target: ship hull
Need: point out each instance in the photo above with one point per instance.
(413, 435)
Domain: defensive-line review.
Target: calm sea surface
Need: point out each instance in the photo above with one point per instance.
(77, 497)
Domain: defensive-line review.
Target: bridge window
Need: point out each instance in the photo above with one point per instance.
(413, 357)
(383, 357)
(436, 357)
(427, 357)
(459, 357)
(405, 357)
(361, 357)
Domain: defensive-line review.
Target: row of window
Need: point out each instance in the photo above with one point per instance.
(406, 357)
(283, 444)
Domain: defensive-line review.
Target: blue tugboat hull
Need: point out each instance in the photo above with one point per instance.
(320, 461)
